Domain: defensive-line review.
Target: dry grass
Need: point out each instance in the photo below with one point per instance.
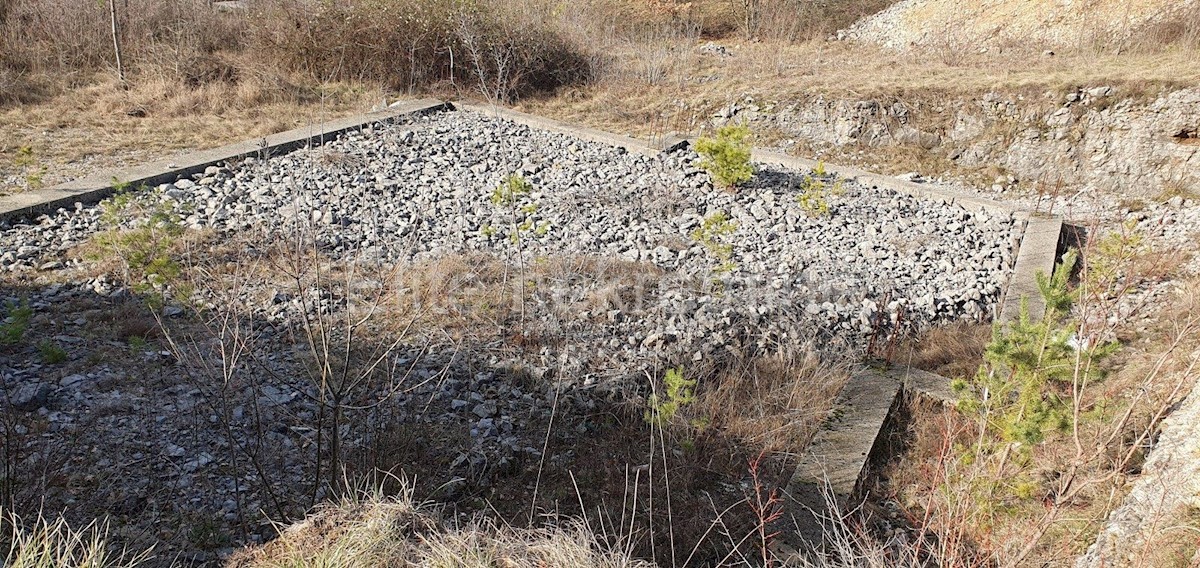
(45, 543)
(952, 351)
(772, 404)
(506, 49)
(101, 126)
(370, 531)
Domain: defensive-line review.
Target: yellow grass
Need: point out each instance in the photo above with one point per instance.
(696, 85)
(94, 127)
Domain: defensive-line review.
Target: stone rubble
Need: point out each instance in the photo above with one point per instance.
(420, 190)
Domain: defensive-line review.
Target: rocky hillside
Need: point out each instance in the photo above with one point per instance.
(992, 24)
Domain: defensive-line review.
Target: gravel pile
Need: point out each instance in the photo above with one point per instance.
(420, 190)
(423, 188)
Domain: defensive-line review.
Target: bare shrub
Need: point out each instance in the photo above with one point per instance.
(505, 49)
(74, 35)
(11, 83)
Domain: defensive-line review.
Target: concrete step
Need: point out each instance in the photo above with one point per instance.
(1038, 254)
(836, 458)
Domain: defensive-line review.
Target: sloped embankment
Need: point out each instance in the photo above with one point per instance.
(1097, 138)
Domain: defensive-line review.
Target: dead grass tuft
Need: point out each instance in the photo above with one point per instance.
(43, 543)
(371, 530)
(773, 404)
(952, 351)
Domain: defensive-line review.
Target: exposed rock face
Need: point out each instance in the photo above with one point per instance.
(1168, 488)
(1092, 139)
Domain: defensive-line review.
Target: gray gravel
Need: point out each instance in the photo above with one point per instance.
(422, 189)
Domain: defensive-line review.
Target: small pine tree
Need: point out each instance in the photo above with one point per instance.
(1013, 393)
(661, 411)
(727, 157)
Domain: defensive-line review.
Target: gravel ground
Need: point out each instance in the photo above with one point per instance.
(154, 443)
(423, 189)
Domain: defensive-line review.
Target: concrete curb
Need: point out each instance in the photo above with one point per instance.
(837, 463)
(873, 180)
(1038, 255)
(95, 188)
(670, 144)
(924, 383)
(839, 454)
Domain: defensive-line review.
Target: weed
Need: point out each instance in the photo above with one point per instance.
(713, 234)
(727, 157)
(36, 178)
(51, 353)
(512, 196)
(138, 344)
(815, 192)
(27, 161)
(767, 508)
(1185, 188)
(24, 157)
(15, 322)
(680, 393)
(1010, 392)
(206, 534)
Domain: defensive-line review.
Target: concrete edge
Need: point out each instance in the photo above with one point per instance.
(94, 188)
(924, 383)
(879, 393)
(1038, 254)
(669, 144)
(874, 180)
(839, 453)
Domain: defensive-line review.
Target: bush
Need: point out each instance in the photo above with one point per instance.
(505, 49)
(727, 157)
